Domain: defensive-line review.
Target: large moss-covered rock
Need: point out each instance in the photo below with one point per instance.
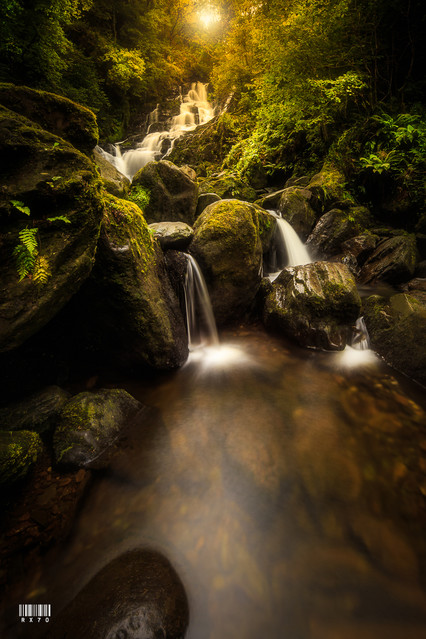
(89, 424)
(230, 237)
(295, 206)
(394, 260)
(114, 182)
(228, 186)
(129, 297)
(44, 177)
(315, 304)
(334, 228)
(328, 186)
(56, 114)
(173, 195)
(18, 453)
(138, 595)
(397, 329)
(39, 412)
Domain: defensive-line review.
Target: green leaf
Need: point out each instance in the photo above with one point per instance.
(20, 206)
(59, 218)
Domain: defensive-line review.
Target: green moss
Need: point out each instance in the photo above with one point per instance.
(18, 452)
(140, 196)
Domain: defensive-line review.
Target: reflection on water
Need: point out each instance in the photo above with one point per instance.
(288, 493)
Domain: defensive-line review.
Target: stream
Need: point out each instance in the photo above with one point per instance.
(286, 488)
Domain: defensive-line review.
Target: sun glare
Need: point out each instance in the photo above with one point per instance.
(208, 16)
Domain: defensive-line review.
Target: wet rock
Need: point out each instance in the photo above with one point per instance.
(315, 304)
(189, 171)
(416, 288)
(59, 115)
(230, 237)
(173, 235)
(132, 307)
(295, 207)
(38, 413)
(334, 228)
(328, 186)
(360, 246)
(177, 266)
(270, 201)
(48, 178)
(298, 181)
(136, 596)
(394, 261)
(226, 186)
(420, 269)
(114, 182)
(397, 329)
(204, 199)
(89, 424)
(173, 195)
(18, 453)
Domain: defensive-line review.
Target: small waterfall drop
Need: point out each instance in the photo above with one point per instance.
(287, 248)
(359, 352)
(360, 339)
(200, 320)
(195, 109)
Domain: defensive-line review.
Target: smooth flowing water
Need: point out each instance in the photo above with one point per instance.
(200, 321)
(194, 110)
(287, 249)
(287, 490)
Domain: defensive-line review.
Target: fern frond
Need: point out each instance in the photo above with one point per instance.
(41, 271)
(25, 261)
(59, 218)
(28, 238)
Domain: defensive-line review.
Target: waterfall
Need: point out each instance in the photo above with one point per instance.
(287, 249)
(200, 320)
(358, 353)
(194, 110)
(360, 339)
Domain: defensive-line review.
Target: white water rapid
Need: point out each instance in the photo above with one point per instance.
(195, 109)
(287, 248)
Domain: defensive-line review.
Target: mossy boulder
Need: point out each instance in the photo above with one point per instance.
(133, 309)
(44, 177)
(137, 595)
(172, 235)
(394, 260)
(228, 186)
(397, 329)
(89, 424)
(329, 186)
(336, 227)
(230, 237)
(173, 195)
(315, 304)
(113, 181)
(54, 113)
(295, 207)
(18, 453)
(39, 412)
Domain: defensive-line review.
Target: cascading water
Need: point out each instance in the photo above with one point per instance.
(360, 339)
(195, 109)
(359, 352)
(287, 248)
(200, 320)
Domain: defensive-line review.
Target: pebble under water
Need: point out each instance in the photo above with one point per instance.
(287, 487)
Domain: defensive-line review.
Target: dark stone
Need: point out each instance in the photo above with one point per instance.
(393, 261)
(420, 269)
(89, 424)
(39, 412)
(51, 178)
(360, 247)
(270, 201)
(60, 116)
(204, 199)
(298, 181)
(136, 596)
(315, 304)
(397, 329)
(114, 182)
(416, 288)
(295, 207)
(172, 235)
(173, 195)
(177, 266)
(18, 453)
(334, 228)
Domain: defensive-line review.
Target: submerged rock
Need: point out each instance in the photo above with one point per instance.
(397, 329)
(136, 596)
(173, 195)
(393, 261)
(18, 453)
(227, 185)
(114, 182)
(173, 235)
(44, 177)
(132, 306)
(66, 119)
(89, 424)
(315, 304)
(334, 228)
(230, 237)
(295, 206)
(39, 412)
